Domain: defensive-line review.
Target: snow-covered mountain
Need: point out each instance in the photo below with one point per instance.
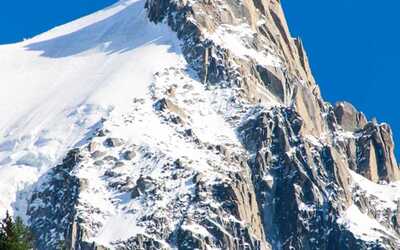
(187, 124)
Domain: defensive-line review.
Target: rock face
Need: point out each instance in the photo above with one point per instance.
(375, 153)
(348, 117)
(288, 189)
(285, 170)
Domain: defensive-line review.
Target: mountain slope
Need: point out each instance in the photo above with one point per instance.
(59, 85)
(165, 124)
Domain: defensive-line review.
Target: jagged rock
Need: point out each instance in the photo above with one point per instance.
(101, 133)
(53, 218)
(135, 193)
(140, 242)
(308, 107)
(286, 185)
(143, 185)
(197, 178)
(110, 173)
(295, 183)
(275, 84)
(187, 240)
(375, 154)
(348, 117)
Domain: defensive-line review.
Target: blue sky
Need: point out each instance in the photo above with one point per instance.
(354, 52)
(352, 44)
(26, 18)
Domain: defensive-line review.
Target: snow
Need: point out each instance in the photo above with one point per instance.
(363, 226)
(196, 229)
(158, 143)
(387, 195)
(383, 197)
(238, 39)
(118, 227)
(55, 88)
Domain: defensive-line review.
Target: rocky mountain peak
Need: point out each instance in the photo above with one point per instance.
(219, 139)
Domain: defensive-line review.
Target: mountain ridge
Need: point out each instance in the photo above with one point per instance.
(208, 131)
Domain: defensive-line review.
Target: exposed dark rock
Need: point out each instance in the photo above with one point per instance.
(140, 242)
(143, 185)
(52, 218)
(113, 142)
(102, 133)
(295, 183)
(129, 155)
(285, 187)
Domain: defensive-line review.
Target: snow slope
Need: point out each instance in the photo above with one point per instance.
(56, 87)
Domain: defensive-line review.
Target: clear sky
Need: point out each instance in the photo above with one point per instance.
(26, 18)
(352, 44)
(354, 51)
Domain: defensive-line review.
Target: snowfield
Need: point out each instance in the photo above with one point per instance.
(55, 88)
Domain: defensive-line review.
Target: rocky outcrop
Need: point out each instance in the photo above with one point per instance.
(348, 117)
(288, 188)
(375, 153)
(52, 213)
(299, 173)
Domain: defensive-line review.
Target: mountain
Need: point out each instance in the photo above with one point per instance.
(182, 124)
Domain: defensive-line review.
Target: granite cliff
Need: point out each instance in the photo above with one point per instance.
(230, 146)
